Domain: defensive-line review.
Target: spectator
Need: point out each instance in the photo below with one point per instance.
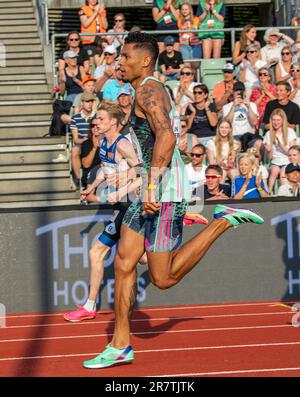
(190, 44)
(165, 14)
(70, 82)
(183, 94)
(296, 51)
(211, 15)
(119, 27)
(223, 150)
(249, 68)
(104, 73)
(257, 152)
(196, 169)
(223, 91)
(202, 114)
(292, 186)
(73, 44)
(294, 154)
(248, 36)
(248, 185)
(93, 20)
(187, 141)
(241, 113)
(170, 61)
(295, 83)
(80, 128)
(263, 94)
(292, 111)
(277, 142)
(89, 87)
(112, 87)
(276, 41)
(125, 100)
(283, 67)
(90, 154)
(100, 44)
(213, 189)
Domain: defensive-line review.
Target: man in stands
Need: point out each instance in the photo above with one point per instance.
(292, 186)
(125, 100)
(213, 190)
(223, 91)
(195, 169)
(170, 61)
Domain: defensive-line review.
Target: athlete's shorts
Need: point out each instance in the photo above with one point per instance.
(163, 230)
(111, 234)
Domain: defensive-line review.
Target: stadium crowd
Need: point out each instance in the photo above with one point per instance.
(239, 138)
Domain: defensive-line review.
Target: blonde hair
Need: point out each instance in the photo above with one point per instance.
(252, 160)
(186, 3)
(219, 143)
(114, 111)
(284, 128)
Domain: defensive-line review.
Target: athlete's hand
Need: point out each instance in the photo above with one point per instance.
(150, 204)
(113, 198)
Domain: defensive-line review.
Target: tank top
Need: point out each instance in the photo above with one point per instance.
(71, 86)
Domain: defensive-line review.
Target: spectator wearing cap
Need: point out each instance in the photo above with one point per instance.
(119, 27)
(89, 87)
(241, 113)
(275, 41)
(263, 94)
(170, 61)
(223, 91)
(291, 109)
(80, 128)
(166, 14)
(70, 82)
(213, 189)
(93, 20)
(283, 67)
(292, 186)
(105, 72)
(125, 100)
(112, 87)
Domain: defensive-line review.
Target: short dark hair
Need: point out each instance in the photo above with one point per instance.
(214, 167)
(144, 41)
(286, 84)
(202, 86)
(201, 146)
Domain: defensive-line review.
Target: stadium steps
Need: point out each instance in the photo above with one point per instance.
(34, 168)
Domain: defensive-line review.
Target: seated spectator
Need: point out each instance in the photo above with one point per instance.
(183, 94)
(73, 44)
(296, 52)
(70, 82)
(211, 15)
(100, 43)
(248, 36)
(89, 87)
(276, 41)
(170, 61)
(292, 186)
(257, 152)
(119, 27)
(248, 185)
(283, 67)
(90, 154)
(223, 150)
(294, 154)
(125, 101)
(249, 68)
(196, 169)
(241, 113)
(263, 94)
(292, 111)
(80, 128)
(213, 189)
(277, 142)
(190, 44)
(223, 91)
(187, 141)
(202, 115)
(105, 72)
(295, 83)
(166, 14)
(93, 20)
(112, 87)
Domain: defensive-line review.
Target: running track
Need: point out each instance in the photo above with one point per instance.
(231, 339)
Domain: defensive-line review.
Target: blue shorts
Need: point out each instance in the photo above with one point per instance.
(111, 234)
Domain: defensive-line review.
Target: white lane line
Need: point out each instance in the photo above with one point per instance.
(242, 371)
(149, 309)
(177, 349)
(147, 333)
(90, 322)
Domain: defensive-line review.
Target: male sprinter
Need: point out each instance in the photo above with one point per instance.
(154, 225)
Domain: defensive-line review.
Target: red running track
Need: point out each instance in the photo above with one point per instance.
(230, 339)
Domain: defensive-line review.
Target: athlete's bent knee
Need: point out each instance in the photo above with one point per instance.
(163, 283)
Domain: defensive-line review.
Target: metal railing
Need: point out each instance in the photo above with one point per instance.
(42, 9)
(232, 32)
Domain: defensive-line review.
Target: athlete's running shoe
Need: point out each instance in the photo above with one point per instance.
(190, 219)
(79, 315)
(237, 216)
(111, 356)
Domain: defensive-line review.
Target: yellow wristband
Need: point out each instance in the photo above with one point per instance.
(151, 187)
(259, 188)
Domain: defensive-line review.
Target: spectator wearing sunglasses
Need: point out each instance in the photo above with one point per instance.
(275, 40)
(183, 94)
(295, 83)
(213, 189)
(104, 73)
(187, 141)
(283, 67)
(223, 91)
(196, 169)
(119, 27)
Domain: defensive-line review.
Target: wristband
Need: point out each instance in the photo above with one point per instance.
(151, 187)
(259, 188)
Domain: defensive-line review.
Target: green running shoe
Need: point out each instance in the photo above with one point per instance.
(111, 356)
(237, 216)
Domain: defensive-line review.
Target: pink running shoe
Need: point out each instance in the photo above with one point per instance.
(79, 315)
(190, 219)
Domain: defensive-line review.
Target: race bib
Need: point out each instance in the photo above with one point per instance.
(167, 19)
(210, 23)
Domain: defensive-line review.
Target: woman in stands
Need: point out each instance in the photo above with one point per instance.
(119, 26)
(223, 150)
(248, 36)
(275, 40)
(283, 67)
(71, 80)
(211, 15)
(277, 142)
(165, 14)
(187, 141)
(295, 83)
(93, 20)
(190, 44)
(249, 184)
(183, 94)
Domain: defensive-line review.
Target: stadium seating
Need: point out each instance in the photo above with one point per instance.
(211, 71)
